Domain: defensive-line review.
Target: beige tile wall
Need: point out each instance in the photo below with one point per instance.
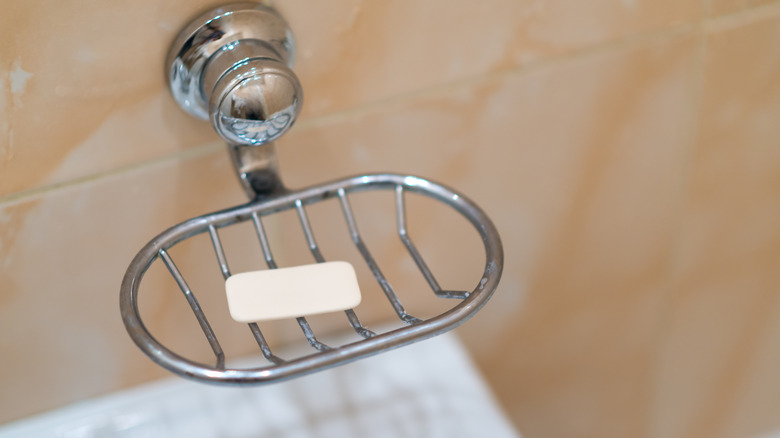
(629, 153)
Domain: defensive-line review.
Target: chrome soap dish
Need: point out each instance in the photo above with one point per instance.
(232, 65)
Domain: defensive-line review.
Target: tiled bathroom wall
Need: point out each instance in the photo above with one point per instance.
(628, 151)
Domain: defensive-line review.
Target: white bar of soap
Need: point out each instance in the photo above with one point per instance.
(292, 292)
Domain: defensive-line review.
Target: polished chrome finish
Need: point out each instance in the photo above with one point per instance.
(315, 251)
(322, 356)
(257, 168)
(255, 102)
(400, 209)
(361, 246)
(221, 259)
(204, 324)
(232, 65)
(265, 349)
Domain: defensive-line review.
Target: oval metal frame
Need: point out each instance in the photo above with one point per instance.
(322, 359)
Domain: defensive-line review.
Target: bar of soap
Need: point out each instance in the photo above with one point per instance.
(292, 292)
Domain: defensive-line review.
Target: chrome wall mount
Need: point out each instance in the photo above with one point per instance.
(231, 65)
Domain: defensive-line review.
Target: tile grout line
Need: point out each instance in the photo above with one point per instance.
(188, 154)
(345, 114)
(627, 42)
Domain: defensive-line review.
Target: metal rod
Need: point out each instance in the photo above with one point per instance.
(400, 209)
(260, 230)
(221, 259)
(357, 326)
(269, 260)
(264, 347)
(307, 331)
(315, 250)
(204, 324)
(383, 283)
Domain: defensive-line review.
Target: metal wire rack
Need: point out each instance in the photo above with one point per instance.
(322, 356)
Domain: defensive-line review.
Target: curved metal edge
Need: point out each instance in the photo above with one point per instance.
(344, 354)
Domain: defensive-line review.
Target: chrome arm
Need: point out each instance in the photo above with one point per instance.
(257, 169)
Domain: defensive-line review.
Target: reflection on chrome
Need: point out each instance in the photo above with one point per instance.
(232, 65)
(257, 132)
